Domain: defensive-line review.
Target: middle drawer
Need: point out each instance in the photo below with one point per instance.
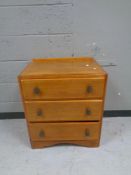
(68, 110)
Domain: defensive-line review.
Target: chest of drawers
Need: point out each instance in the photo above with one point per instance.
(63, 100)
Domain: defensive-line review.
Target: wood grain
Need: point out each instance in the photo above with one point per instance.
(64, 131)
(69, 110)
(63, 68)
(63, 88)
(87, 143)
(62, 118)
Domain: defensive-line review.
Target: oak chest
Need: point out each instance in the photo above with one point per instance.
(63, 101)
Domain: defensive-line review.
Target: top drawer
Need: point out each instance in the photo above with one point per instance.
(73, 88)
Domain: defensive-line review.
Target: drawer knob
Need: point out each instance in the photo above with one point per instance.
(89, 89)
(87, 133)
(36, 91)
(41, 134)
(39, 112)
(88, 111)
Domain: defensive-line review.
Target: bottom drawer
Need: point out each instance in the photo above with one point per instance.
(64, 131)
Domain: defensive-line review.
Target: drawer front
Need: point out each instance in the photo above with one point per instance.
(69, 110)
(64, 131)
(63, 88)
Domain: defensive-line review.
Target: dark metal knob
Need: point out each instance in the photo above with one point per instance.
(36, 91)
(88, 111)
(41, 134)
(87, 133)
(39, 112)
(89, 89)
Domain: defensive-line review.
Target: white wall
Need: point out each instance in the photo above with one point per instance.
(59, 28)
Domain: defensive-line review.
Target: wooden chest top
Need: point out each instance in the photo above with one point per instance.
(63, 68)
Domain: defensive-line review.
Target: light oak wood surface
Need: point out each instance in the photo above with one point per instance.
(68, 88)
(64, 131)
(69, 110)
(87, 143)
(63, 99)
(63, 67)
